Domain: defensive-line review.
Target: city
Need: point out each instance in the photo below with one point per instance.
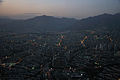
(84, 55)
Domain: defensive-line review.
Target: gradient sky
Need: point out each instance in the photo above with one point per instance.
(65, 8)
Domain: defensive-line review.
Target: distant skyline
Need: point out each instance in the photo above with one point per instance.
(58, 8)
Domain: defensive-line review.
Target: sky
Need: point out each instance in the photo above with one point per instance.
(58, 8)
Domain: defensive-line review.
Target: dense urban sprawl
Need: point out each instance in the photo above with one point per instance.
(84, 55)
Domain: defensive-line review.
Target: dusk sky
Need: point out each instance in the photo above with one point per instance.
(59, 8)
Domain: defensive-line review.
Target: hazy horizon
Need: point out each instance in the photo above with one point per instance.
(58, 8)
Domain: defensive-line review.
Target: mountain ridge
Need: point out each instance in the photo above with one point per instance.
(50, 23)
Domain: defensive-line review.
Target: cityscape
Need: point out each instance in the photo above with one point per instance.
(59, 39)
(85, 55)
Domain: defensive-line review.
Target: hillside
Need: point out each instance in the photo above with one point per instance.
(49, 23)
(38, 24)
(104, 21)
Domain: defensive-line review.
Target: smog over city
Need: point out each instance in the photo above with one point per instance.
(59, 39)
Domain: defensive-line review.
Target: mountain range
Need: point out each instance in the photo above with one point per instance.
(49, 23)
